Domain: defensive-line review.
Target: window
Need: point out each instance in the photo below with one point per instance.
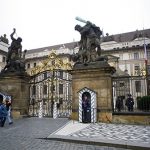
(60, 88)
(136, 55)
(44, 89)
(34, 65)
(138, 86)
(28, 65)
(137, 70)
(34, 90)
(121, 84)
(45, 75)
(61, 74)
(4, 59)
(136, 67)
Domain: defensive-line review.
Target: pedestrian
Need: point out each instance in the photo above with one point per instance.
(130, 102)
(8, 107)
(3, 112)
(119, 104)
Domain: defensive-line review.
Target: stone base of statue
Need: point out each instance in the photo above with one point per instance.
(94, 80)
(17, 86)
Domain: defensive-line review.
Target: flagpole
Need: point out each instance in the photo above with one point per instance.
(145, 51)
(146, 62)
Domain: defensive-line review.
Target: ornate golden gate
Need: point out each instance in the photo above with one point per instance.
(50, 88)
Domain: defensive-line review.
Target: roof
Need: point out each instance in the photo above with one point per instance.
(70, 45)
(126, 37)
(123, 37)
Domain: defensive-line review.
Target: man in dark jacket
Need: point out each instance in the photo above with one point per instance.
(119, 104)
(130, 102)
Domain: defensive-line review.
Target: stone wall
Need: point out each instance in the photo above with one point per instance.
(131, 119)
(18, 88)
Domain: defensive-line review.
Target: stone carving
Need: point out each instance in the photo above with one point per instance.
(4, 39)
(89, 44)
(15, 57)
(15, 49)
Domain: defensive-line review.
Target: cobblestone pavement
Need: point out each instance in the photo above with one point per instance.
(25, 134)
(133, 136)
(132, 133)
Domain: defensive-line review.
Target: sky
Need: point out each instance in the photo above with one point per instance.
(42, 23)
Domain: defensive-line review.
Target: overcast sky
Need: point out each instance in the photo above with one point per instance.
(43, 23)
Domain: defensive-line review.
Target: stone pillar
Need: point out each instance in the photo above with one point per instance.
(95, 76)
(18, 88)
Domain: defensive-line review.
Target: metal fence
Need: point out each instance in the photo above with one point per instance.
(137, 87)
(63, 110)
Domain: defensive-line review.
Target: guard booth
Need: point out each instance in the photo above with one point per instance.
(87, 106)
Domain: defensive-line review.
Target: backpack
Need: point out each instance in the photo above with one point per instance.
(3, 111)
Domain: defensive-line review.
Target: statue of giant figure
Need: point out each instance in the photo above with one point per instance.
(15, 49)
(89, 44)
(15, 57)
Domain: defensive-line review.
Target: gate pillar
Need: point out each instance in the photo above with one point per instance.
(18, 88)
(94, 78)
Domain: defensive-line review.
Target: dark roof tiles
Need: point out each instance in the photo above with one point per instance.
(54, 47)
(123, 37)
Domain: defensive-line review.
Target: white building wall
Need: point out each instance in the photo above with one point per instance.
(122, 67)
(1, 58)
(125, 56)
(4, 46)
(114, 45)
(128, 67)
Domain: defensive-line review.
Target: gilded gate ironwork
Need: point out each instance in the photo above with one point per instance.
(51, 85)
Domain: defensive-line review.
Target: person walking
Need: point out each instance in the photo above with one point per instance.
(8, 107)
(3, 112)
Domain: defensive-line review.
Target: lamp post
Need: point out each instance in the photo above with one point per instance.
(147, 79)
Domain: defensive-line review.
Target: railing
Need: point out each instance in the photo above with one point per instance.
(137, 86)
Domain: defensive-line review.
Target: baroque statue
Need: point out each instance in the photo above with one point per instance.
(15, 57)
(89, 44)
(4, 39)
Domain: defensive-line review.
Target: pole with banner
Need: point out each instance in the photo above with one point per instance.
(146, 62)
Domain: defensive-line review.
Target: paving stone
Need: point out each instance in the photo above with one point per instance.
(116, 132)
(28, 134)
